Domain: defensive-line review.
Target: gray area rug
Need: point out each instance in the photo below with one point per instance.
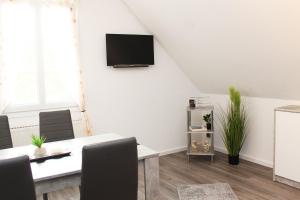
(217, 191)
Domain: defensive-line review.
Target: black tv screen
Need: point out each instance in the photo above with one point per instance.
(129, 50)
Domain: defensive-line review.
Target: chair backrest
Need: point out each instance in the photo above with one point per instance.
(5, 136)
(110, 171)
(16, 180)
(56, 125)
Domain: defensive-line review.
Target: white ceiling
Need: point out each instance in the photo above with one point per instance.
(254, 45)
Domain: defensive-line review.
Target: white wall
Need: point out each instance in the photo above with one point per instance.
(253, 44)
(259, 144)
(148, 103)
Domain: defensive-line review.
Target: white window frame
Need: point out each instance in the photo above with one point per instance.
(42, 105)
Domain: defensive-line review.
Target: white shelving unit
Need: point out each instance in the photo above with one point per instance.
(204, 146)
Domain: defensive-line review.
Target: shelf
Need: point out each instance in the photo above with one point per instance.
(200, 132)
(200, 153)
(199, 129)
(204, 107)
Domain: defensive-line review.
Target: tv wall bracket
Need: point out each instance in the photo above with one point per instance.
(129, 66)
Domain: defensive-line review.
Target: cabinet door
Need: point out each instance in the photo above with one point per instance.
(287, 145)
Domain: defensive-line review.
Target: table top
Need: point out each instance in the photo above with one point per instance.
(69, 165)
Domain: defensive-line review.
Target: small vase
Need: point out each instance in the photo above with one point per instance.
(39, 152)
(208, 126)
(234, 160)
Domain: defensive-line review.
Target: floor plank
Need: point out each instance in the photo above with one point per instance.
(248, 180)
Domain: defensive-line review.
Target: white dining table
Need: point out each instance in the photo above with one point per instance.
(57, 174)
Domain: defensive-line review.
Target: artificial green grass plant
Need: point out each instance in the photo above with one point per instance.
(234, 123)
(38, 141)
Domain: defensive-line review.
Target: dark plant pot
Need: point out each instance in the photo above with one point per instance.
(208, 126)
(234, 160)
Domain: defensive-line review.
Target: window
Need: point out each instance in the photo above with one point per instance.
(39, 54)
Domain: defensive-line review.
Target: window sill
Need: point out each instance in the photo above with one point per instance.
(39, 108)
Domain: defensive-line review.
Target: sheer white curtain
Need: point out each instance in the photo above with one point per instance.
(4, 96)
(4, 101)
(39, 55)
(82, 98)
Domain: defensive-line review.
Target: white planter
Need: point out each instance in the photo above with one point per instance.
(38, 152)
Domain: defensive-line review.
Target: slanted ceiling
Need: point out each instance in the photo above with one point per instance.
(254, 45)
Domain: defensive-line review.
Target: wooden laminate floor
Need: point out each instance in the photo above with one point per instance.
(248, 180)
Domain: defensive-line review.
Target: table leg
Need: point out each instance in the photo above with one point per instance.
(55, 184)
(151, 172)
(45, 196)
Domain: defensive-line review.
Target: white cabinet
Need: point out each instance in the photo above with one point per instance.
(287, 145)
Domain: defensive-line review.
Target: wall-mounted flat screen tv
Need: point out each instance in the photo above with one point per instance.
(124, 50)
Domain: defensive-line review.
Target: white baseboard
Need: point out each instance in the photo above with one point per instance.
(171, 151)
(222, 150)
(249, 158)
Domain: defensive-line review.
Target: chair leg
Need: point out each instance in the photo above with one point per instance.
(45, 196)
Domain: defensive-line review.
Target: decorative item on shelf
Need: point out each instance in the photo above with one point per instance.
(202, 101)
(192, 103)
(206, 146)
(194, 146)
(200, 147)
(234, 125)
(197, 128)
(207, 119)
(38, 141)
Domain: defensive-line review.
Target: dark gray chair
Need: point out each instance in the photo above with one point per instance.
(16, 180)
(5, 136)
(110, 171)
(56, 125)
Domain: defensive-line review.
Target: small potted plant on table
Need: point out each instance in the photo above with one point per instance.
(38, 141)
